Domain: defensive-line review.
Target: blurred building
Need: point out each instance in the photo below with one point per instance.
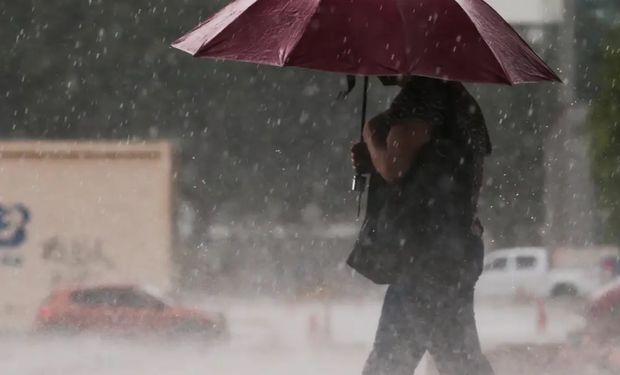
(81, 213)
(529, 12)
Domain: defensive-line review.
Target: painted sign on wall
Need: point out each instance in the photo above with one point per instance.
(14, 221)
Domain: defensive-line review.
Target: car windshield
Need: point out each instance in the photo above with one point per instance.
(496, 264)
(155, 293)
(138, 299)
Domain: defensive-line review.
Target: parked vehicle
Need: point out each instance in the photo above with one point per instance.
(123, 310)
(597, 343)
(603, 323)
(604, 308)
(528, 271)
(611, 265)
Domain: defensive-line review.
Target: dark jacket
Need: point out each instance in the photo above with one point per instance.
(431, 214)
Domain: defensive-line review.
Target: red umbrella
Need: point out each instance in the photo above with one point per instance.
(464, 40)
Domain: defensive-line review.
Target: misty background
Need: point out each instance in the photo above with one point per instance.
(263, 173)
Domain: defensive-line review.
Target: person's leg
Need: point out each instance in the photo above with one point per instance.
(455, 345)
(398, 346)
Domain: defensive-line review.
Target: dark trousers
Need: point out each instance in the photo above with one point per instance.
(431, 310)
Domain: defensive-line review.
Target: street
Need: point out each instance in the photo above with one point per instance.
(267, 338)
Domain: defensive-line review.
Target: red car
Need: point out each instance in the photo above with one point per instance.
(124, 310)
(603, 312)
(597, 344)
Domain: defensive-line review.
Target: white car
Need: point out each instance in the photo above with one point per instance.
(527, 271)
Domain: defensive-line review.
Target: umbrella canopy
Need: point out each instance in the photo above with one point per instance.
(464, 40)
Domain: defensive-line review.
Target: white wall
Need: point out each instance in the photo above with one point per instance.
(97, 213)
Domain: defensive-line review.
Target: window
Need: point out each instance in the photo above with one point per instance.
(96, 297)
(526, 262)
(497, 264)
(139, 300)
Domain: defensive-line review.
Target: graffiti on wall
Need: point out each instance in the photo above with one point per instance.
(75, 260)
(14, 221)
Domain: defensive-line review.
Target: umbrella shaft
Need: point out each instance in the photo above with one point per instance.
(364, 107)
(359, 182)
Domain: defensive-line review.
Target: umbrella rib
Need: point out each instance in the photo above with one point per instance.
(406, 34)
(508, 79)
(178, 44)
(301, 34)
(527, 45)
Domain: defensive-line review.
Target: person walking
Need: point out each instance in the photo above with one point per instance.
(425, 156)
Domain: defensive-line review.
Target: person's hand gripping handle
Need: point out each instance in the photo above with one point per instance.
(362, 164)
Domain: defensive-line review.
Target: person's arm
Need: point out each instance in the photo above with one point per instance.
(394, 153)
